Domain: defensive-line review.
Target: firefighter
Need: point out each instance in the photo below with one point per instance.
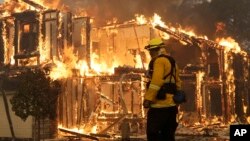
(162, 111)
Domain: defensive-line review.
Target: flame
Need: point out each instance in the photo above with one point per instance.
(80, 130)
(113, 21)
(83, 67)
(138, 61)
(75, 129)
(43, 46)
(248, 119)
(70, 62)
(230, 45)
(244, 107)
(101, 66)
(60, 71)
(5, 40)
(64, 68)
(140, 19)
(199, 79)
(94, 129)
(156, 20)
(11, 6)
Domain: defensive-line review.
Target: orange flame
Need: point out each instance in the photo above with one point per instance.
(140, 19)
(230, 45)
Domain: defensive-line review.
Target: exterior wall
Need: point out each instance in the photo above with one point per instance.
(120, 45)
(22, 129)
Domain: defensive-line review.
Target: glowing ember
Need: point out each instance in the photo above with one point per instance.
(5, 43)
(77, 130)
(199, 79)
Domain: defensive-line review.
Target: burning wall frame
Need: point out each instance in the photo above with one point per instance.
(2, 44)
(46, 34)
(24, 35)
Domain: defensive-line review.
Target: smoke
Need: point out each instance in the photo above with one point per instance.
(200, 15)
(123, 10)
(175, 12)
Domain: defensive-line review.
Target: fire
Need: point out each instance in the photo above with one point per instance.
(64, 68)
(5, 43)
(156, 20)
(248, 119)
(75, 129)
(245, 108)
(11, 6)
(80, 130)
(60, 71)
(94, 129)
(230, 45)
(138, 61)
(140, 19)
(17, 6)
(83, 67)
(100, 66)
(199, 79)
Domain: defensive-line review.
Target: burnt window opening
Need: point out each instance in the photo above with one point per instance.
(51, 16)
(26, 28)
(28, 38)
(213, 64)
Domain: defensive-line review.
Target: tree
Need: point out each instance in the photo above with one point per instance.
(36, 96)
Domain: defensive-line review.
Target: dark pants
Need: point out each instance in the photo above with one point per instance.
(161, 124)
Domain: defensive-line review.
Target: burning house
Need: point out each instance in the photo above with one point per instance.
(102, 70)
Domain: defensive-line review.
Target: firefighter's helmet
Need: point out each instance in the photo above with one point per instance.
(154, 43)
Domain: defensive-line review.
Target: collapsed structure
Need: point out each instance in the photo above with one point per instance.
(102, 70)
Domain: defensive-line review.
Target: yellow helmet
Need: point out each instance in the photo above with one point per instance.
(154, 43)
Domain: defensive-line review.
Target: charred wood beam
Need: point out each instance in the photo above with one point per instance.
(79, 134)
(189, 39)
(34, 4)
(27, 55)
(113, 124)
(178, 35)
